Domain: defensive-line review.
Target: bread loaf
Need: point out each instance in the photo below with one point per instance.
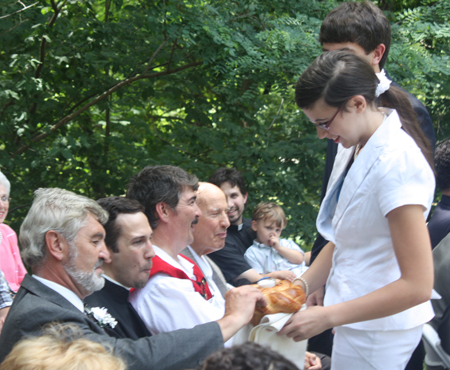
(284, 297)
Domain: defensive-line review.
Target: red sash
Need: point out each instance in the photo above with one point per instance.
(200, 284)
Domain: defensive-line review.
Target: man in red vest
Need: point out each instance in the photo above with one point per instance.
(177, 295)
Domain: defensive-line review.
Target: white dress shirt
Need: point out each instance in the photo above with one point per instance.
(389, 172)
(167, 303)
(264, 259)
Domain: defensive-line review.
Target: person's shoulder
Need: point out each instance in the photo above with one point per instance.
(7, 230)
(98, 298)
(290, 244)
(423, 116)
(253, 249)
(247, 222)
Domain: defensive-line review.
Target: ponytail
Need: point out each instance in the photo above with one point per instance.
(396, 99)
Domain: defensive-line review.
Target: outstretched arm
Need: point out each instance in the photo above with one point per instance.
(413, 252)
(239, 308)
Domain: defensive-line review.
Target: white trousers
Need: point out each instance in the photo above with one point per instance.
(373, 350)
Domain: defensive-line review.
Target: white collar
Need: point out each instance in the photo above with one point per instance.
(261, 245)
(66, 293)
(115, 282)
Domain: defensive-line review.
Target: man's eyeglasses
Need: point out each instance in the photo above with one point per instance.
(326, 125)
(5, 199)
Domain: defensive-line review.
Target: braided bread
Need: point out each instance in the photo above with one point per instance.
(284, 297)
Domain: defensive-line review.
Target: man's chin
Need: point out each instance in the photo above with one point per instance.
(99, 283)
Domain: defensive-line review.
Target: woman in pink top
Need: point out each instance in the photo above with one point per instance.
(10, 262)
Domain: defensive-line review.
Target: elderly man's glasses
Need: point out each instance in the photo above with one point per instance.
(326, 125)
(5, 199)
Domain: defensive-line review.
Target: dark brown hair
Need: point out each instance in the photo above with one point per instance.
(156, 184)
(115, 206)
(337, 76)
(360, 22)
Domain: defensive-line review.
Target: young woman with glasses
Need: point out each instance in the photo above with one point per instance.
(377, 266)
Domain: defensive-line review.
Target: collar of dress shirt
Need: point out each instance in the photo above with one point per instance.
(261, 245)
(66, 293)
(115, 282)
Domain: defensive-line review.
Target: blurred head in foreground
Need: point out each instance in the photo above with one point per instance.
(61, 347)
(249, 356)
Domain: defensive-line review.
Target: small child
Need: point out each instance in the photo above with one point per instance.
(269, 253)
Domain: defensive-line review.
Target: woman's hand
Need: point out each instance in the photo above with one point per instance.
(307, 323)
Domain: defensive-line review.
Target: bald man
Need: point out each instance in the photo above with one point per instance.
(210, 234)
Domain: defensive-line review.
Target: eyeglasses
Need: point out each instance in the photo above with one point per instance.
(5, 199)
(326, 125)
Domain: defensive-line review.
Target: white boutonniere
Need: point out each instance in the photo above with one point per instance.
(101, 316)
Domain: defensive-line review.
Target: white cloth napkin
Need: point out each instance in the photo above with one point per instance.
(266, 334)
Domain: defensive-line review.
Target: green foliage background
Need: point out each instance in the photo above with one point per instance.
(92, 91)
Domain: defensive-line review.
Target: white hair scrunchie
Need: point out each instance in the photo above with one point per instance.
(384, 84)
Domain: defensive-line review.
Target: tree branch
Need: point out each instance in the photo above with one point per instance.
(171, 55)
(154, 55)
(99, 98)
(18, 11)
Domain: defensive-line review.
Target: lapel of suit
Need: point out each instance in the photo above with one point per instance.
(35, 287)
(328, 207)
(364, 163)
(218, 277)
(186, 252)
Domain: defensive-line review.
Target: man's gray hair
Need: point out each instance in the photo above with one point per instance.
(5, 182)
(58, 210)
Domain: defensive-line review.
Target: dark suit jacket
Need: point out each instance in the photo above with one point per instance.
(439, 225)
(441, 320)
(426, 124)
(36, 305)
(115, 299)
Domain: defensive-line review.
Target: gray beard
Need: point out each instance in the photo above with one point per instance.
(88, 280)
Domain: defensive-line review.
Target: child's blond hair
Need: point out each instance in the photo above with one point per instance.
(270, 211)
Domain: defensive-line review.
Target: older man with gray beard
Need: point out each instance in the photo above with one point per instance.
(62, 240)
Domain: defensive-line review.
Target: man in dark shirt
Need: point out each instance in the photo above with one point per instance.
(128, 235)
(240, 235)
(439, 225)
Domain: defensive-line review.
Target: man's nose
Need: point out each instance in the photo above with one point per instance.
(224, 221)
(149, 251)
(104, 253)
(230, 203)
(198, 211)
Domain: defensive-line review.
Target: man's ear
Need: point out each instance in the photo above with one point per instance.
(163, 210)
(378, 53)
(56, 244)
(245, 198)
